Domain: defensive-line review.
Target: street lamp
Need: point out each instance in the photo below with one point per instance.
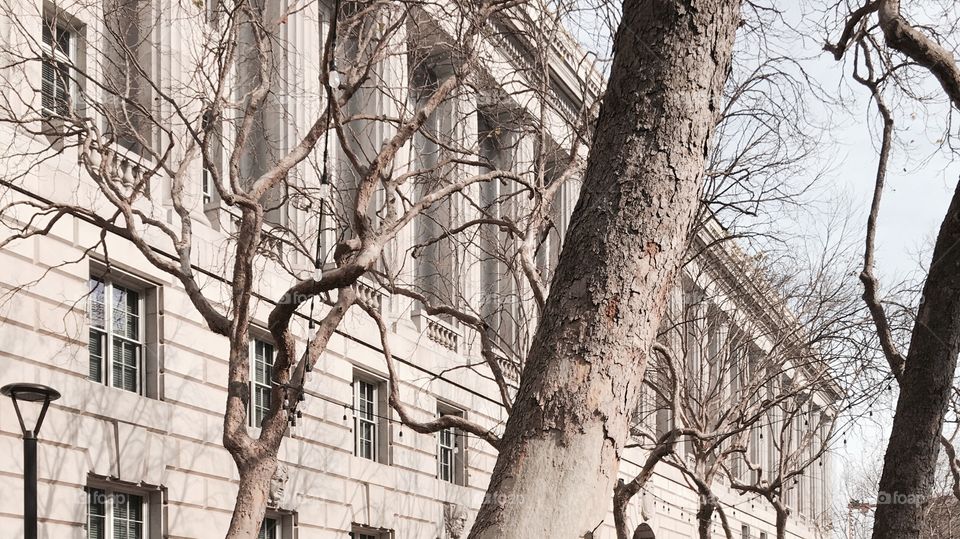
(30, 393)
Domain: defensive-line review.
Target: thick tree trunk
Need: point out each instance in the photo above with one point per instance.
(782, 515)
(561, 447)
(911, 460)
(704, 516)
(910, 463)
(251, 504)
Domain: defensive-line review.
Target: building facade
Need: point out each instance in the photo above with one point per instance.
(134, 447)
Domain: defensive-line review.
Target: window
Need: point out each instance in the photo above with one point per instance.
(116, 335)
(370, 417)
(367, 533)
(278, 526)
(261, 380)
(116, 515)
(211, 10)
(450, 453)
(745, 532)
(56, 86)
(207, 186)
(212, 165)
(270, 529)
(365, 417)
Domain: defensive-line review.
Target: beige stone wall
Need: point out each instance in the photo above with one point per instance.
(174, 442)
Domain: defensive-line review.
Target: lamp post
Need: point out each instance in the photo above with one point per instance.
(30, 393)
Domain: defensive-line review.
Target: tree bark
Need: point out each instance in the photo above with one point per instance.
(561, 447)
(704, 516)
(251, 503)
(911, 459)
(782, 515)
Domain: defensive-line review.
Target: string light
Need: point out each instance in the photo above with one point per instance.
(388, 419)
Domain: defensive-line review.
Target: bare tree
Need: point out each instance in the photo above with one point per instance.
(714, 387)
(926, 372)
(229, 139)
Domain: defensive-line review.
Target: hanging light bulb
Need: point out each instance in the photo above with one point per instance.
(334, 79)
(317, 273)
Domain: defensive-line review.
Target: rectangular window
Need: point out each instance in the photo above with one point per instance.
(116, 335)
(366, 533)
(213, 133)
(450, 452)
(115, 515)
(261, 380)
(56, 87)
(366, 419)
(745, 532)
(207, 186)
(270, 529)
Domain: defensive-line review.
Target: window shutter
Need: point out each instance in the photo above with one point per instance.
(96, 514)
(95, 347)
(47, 88)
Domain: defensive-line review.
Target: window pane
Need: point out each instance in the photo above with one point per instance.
(126, 312)
(268, 530)
(63, 42)
(125, 364)
(96, 527)
(96, 514)
(135, 507)
(96, 299)
(262, 374)
(48, 82)
(127, 516)
(95, 347)
(261, 404)
(366, 440)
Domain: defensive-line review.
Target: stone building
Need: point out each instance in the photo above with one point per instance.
(133, 449)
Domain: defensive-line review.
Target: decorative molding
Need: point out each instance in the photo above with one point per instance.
(278, 486)
(454, 520)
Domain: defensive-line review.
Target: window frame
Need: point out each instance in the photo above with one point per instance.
(107, 333)
(457, 451)
(373, 421)
(110, 495)
(63, 63)
(206, 187)
(277, 528)
(364, 532)
(257, 386)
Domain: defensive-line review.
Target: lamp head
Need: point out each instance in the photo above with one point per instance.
(24, 392)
